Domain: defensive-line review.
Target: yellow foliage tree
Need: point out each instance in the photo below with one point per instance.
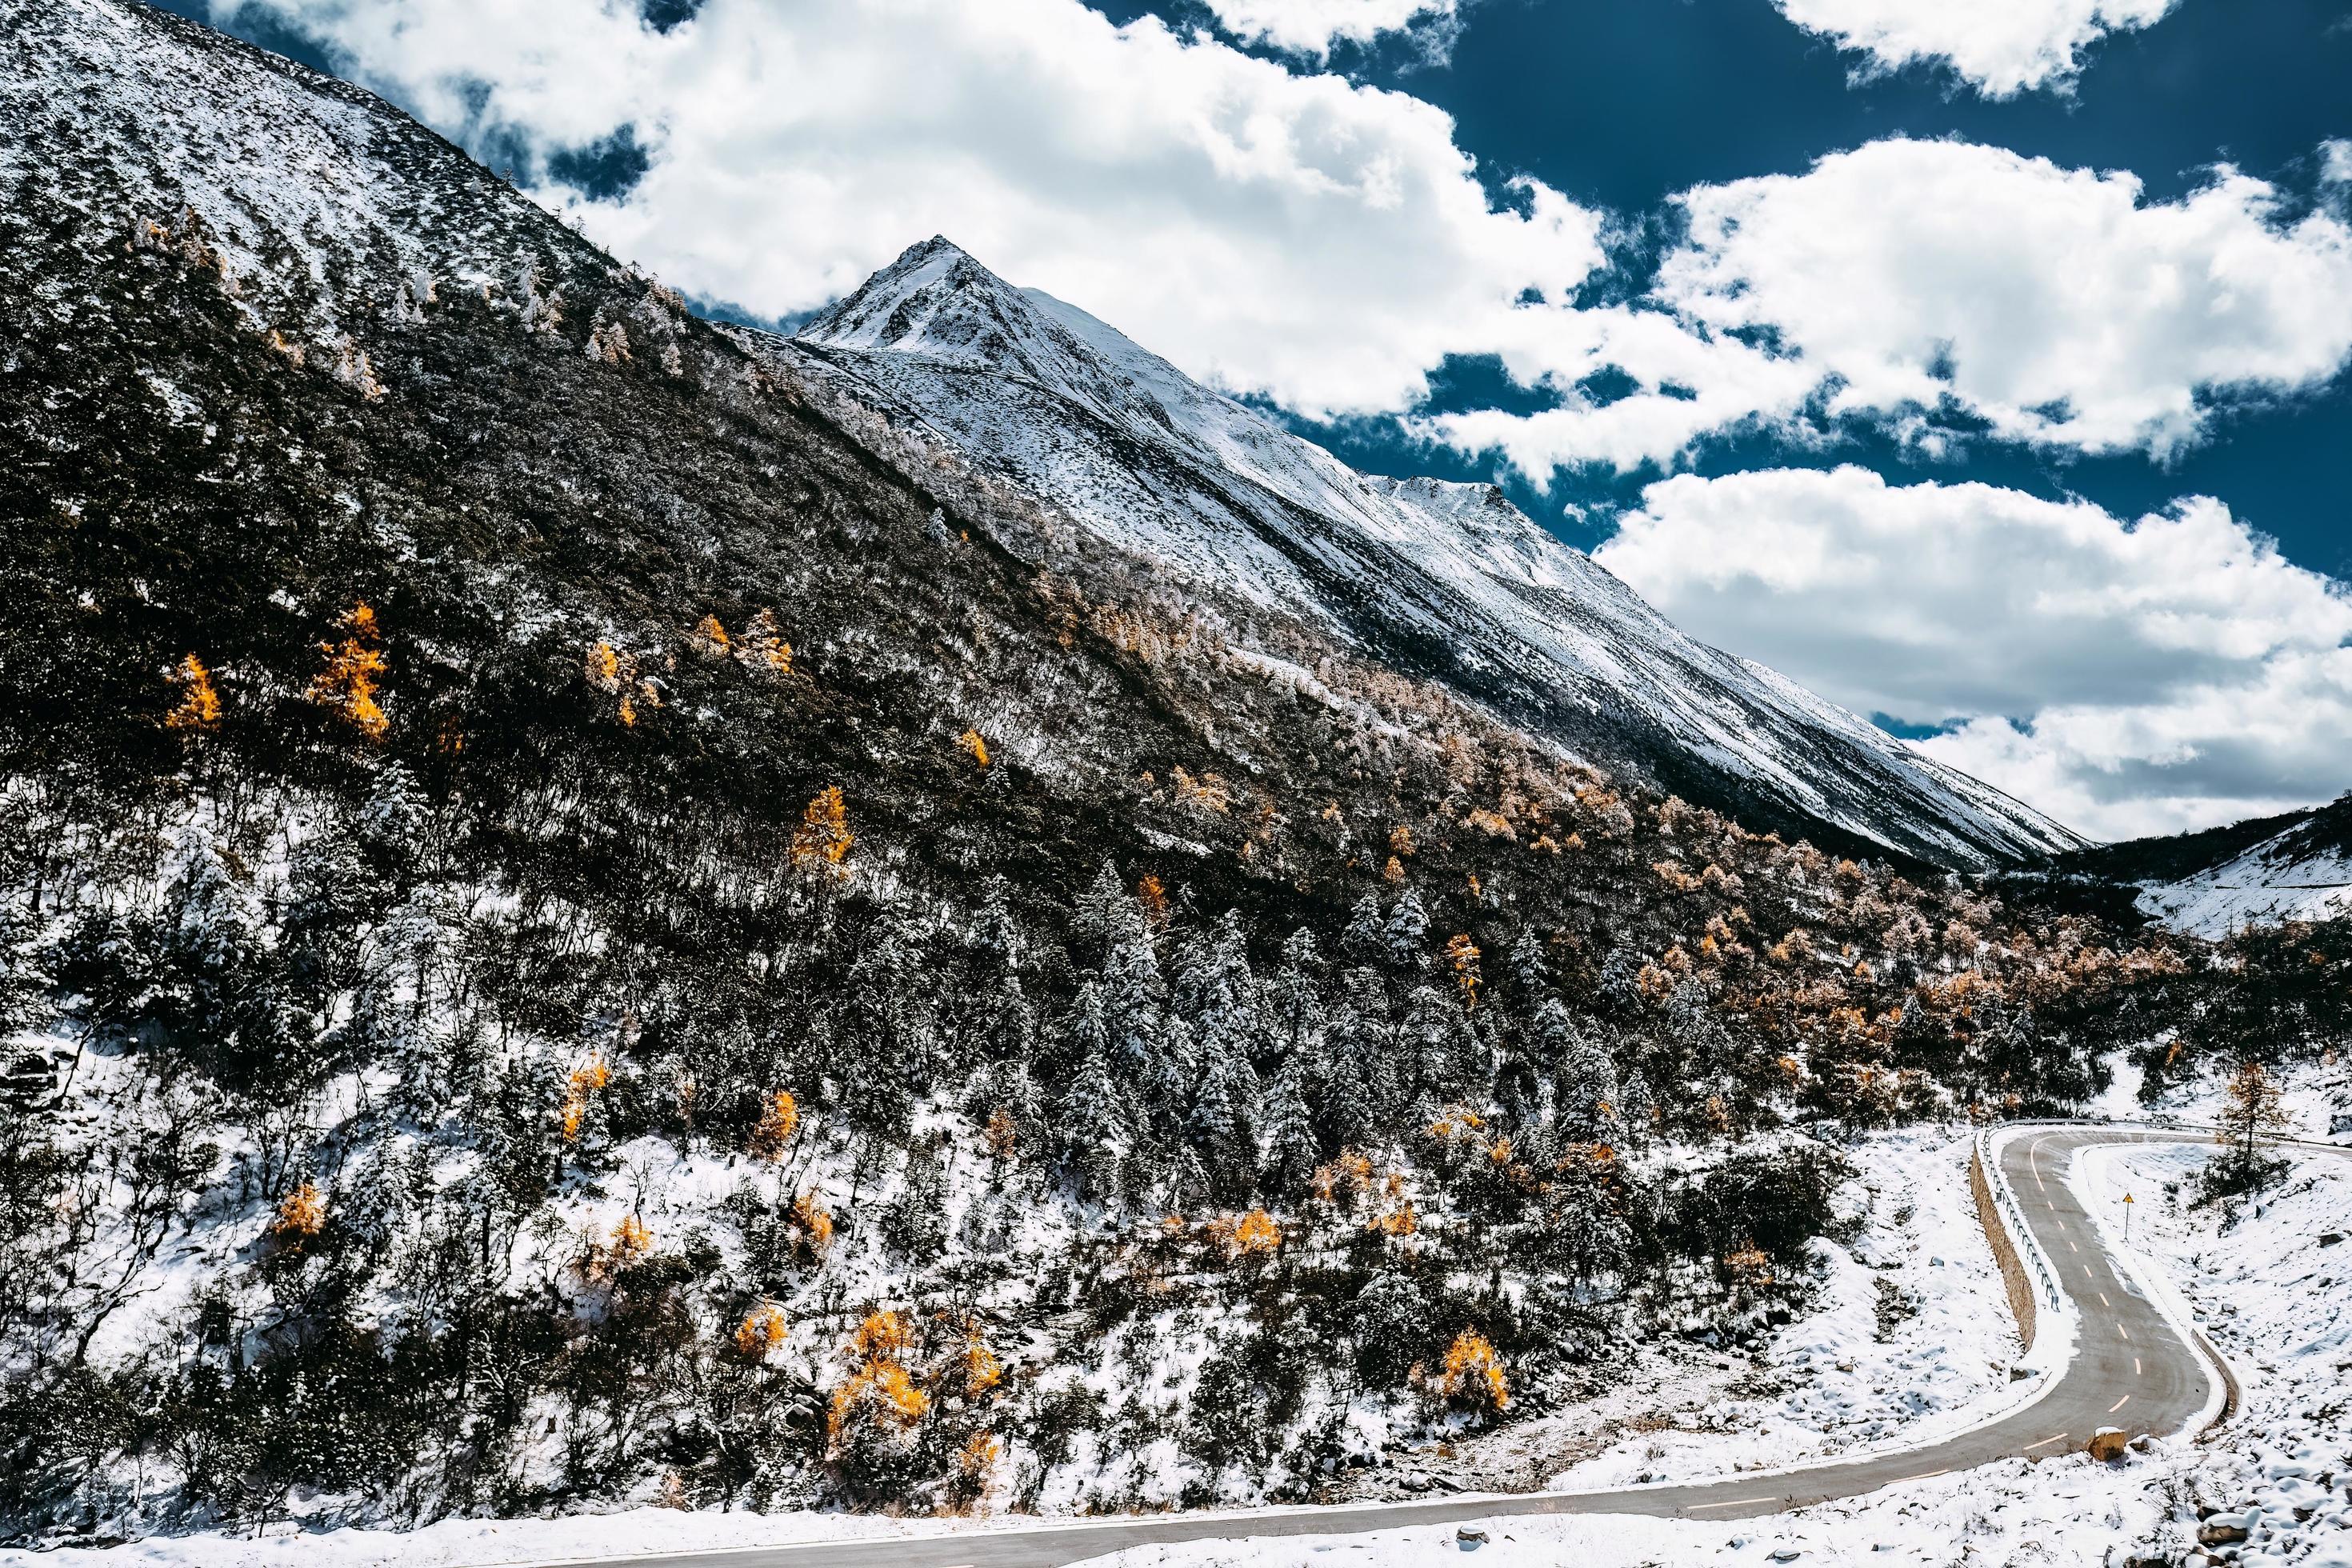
(1254, 1236)
(348, 684)
(199, 707)
(978, 748)
(813, 1224)
(1463, 953)
(1473, 1371)
(982, 1369)
(1493, 824)
(1151, 893)
(882, 1336)
(778, 1123)
(762, 1330)
(1002, 1134)
(824, 837)
(762, 646)
(978, 1455)
(1748, 1265)
(880, 1392)
(602, 666)
(633, 1239)
(586, 1079)
(710, 636)
(300, 1214)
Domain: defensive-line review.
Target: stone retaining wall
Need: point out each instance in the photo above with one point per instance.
(2004, 1247)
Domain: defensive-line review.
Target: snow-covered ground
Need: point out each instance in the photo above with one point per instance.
(2252, 889)
(2315, 1095)
(2269, 1289)
(1910, 1339)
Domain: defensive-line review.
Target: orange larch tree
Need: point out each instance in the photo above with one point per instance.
(199, 707)
(354, 664)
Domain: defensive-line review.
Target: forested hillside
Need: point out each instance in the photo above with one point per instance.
(572, 934)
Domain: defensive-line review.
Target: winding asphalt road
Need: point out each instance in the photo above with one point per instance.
(2130, 1369)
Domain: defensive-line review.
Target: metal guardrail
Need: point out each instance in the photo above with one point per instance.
(2014, 1214)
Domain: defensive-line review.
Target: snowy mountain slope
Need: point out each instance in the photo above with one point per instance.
(2301, 872)
(323, 215)
(1441, 579)
(572, 933)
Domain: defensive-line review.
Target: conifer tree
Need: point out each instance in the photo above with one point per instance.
(1528, 967)
(1584, 1081)
(1095, 915)
(1091, 1125)
(392, 826)
(1291, 1152)
(1364, 943)
(1407, 928)
(1218, 994)
(1355, 1099)
(1295, 1021)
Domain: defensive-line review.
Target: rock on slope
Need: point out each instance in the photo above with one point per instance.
(1443, 580)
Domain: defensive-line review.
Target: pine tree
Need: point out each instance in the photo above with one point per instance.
(1092, 1126)
(1359, 1091)
(1584, 1080)
(1295, 1021)
(1138, 1028)
(1528, 967)
(1291, 1152)
(1407, 928)
(1636, 1107)
(329, 898)
(1364, 943)
(1094, 917)
(1217, 993)
(1431, 1045)
(1220, 1123)
(391, 827)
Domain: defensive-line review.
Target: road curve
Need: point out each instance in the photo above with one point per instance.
(2130, 1369)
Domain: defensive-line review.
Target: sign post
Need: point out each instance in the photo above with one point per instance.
(2127, 1203)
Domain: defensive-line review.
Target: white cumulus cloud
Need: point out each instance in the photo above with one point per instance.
(2127, 678)
(1907, 282)
(2001, 47)
(2059, 304)
(1315, 26)
(1279, 232)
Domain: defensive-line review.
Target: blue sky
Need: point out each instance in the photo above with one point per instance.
(1981, 366)
(1626, 104)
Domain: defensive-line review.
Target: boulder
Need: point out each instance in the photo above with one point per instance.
(2222, 1529)
(2107, 1442)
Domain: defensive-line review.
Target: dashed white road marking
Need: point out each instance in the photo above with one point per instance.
(2135, 1366)
(2055, 1438)
(2104, 1301)
(2072, 1248)
(2125, 1331)
(2118, 1404)
(1739, 1501)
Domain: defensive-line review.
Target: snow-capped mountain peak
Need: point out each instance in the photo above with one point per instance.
(1442, 579)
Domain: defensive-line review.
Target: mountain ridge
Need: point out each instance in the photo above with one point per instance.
(1446, 578)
